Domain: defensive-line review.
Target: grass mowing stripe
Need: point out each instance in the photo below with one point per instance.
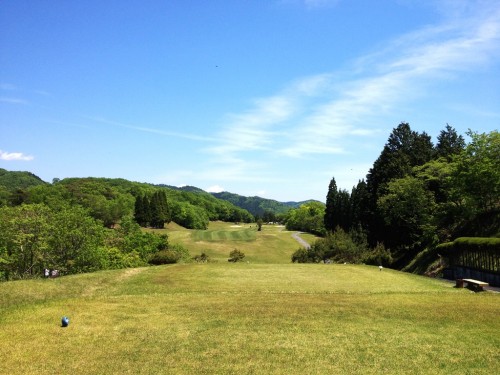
(224, 235)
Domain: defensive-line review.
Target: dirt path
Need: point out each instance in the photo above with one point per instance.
(300, 240)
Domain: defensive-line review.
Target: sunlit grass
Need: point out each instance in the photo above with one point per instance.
(248, 319)
(273, 244)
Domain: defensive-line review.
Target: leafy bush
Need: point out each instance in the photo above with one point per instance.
(202, 258)
(379, 256)
(165, 257)
(183, 253)
(337, 247)
(236, 256)
(301, 256)
(174, 254)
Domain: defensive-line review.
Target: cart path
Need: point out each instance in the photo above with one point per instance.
(300, 240)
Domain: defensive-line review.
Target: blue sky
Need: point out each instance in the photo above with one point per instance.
(257, 97)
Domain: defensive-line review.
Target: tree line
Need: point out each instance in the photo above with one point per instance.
(86, 224)
(415, 196)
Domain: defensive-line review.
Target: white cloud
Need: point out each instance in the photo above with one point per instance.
(10, 156)
(215, 189)
(398, 75)
(252, 130)
(4, 99)
(333, 113)
(193, 137)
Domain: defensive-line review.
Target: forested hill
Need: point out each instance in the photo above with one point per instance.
(258, 206)
(111, 199)
(18, 187)
(18, 180)
(188, 188)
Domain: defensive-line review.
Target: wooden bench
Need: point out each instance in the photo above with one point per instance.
(476, 284)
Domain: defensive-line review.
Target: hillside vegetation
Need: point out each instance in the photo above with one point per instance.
(416, 196)
(244, 318)
(257, 206)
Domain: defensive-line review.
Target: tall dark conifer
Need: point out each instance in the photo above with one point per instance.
(146, 203)
(140, 211)
(331, 198)
(404, 150)
(360, 206)
(449, 143)
(342, 210)
(159, 209)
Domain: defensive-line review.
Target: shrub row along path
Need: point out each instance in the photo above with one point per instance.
(300, 240)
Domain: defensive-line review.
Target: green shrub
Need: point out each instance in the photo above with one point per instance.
(202, 258)
(379, 256)
(181, 251)
(174, 254)
(165, 257)
(236, 256)
(300, 256)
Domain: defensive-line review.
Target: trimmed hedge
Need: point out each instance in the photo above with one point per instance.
(481, 253)
(471, 244)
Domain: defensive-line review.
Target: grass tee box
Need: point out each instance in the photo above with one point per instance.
(223, 318)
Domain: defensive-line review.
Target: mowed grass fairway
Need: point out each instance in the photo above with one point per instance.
(247, 318)
(273, 244)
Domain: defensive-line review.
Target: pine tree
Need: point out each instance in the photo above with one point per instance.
(146, 203)
(331, 197)
(449, 143)
(159, 209)
(139, 212)
(360, 206)
(404, 150)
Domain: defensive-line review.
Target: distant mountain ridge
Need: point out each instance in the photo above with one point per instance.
(188, 188)
(257, 206)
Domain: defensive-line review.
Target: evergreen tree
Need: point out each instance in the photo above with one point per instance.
(404, 150)
(338, 208)
(146, 203)
(342, 210)
(159, 209)
(139, 211)
(360, 203)
(449, 143)
(142, 214)
(330, 205)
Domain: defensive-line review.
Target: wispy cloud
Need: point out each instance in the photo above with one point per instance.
(193, 137)
(12, 156)
(9, 87)
(7, 100)
(269, 119)
(290, 123)
(252, 130)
